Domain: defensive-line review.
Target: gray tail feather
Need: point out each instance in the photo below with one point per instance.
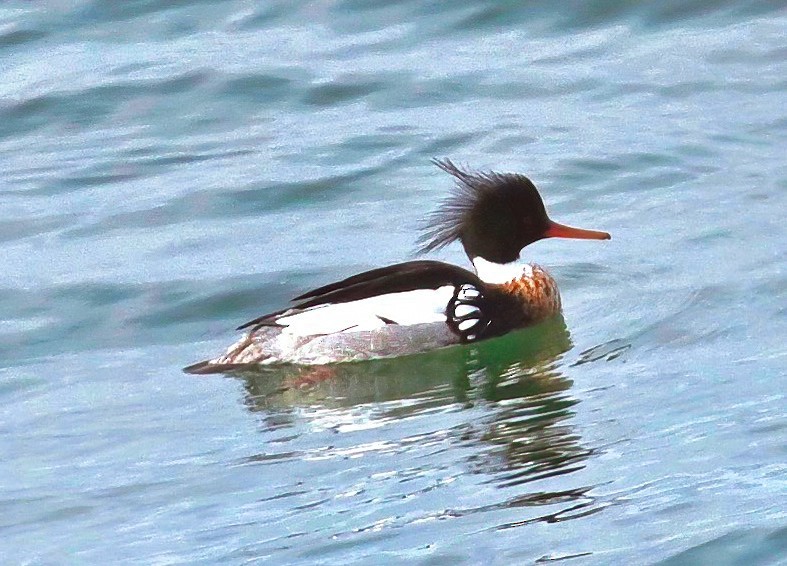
(206, 367)
(201, 368)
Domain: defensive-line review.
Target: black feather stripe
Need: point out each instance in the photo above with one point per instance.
(431, 269)
(398, 278)
(264, 320)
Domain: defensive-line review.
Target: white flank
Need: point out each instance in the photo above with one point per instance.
(412, 307)
(491, 272)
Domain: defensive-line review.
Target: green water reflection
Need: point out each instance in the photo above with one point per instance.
(514, 389)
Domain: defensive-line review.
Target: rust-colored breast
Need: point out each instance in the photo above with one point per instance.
(530, 299)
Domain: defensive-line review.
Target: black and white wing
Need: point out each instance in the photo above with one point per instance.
(464, 309)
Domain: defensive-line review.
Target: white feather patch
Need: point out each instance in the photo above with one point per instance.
(411, 307)
(491, 272)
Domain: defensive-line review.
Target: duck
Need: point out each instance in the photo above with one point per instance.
(420, 305)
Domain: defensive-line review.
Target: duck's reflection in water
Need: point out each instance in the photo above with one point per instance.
(502, 407)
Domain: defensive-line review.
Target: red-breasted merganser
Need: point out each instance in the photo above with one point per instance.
(417, 306)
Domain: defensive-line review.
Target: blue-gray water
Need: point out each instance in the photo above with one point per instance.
(171, 169)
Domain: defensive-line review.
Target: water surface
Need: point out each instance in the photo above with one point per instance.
(172, 169)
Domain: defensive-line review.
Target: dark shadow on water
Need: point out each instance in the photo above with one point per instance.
(514, 386)
(498, 413)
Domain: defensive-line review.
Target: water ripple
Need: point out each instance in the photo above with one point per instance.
(171, 169)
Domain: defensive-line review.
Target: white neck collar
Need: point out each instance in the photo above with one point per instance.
(491, 272)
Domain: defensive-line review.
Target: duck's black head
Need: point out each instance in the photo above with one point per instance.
(494, 215)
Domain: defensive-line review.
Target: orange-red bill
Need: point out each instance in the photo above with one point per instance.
(557, 230)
